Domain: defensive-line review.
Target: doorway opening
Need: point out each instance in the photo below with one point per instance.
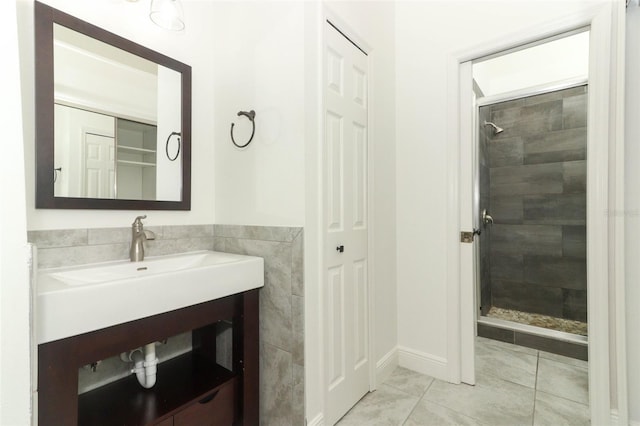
(530, 195)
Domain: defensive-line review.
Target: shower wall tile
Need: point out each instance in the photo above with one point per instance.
(555, 209)
(507, 267)
(574, 241)
(574, 111)
(528, 179)
(526, 239)
(574, 176)
(506, 105)
(545, 97)
(528, 297)
(538, 202)
(574, 304)
(507, 209)
(556, 271)
(558, 146)
(506, 152)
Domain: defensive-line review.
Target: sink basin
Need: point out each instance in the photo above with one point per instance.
(76, 300)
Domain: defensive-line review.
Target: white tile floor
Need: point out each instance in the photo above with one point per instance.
(514, 386)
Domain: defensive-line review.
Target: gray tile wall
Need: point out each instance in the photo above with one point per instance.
(281, 299)
(537, 170)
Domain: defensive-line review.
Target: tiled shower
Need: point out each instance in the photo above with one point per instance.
(532, 181)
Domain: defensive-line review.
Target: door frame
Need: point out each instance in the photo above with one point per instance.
(343, 27)
(605, 242)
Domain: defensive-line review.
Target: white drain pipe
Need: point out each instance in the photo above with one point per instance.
(145, 365)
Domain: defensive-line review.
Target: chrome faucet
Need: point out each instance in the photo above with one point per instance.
(138, 237)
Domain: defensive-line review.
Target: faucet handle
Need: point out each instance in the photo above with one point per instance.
(138, 221)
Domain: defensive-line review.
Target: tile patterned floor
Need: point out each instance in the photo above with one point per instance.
(514, 386)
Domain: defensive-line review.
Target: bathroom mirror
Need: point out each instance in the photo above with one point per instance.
(113, 120)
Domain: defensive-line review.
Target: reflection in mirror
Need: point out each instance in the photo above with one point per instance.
(113, 113)
(113, 120)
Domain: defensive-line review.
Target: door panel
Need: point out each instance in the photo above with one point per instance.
(346, 232)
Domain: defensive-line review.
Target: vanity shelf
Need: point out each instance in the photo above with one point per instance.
(189, 388)
(190, 381)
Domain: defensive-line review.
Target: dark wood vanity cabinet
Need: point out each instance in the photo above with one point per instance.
(191, 390)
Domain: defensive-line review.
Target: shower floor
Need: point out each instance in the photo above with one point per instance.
(539, 320)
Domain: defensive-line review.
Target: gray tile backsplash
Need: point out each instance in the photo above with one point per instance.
(281, 299)
(537, 188)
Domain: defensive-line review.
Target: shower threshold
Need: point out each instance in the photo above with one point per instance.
(544, 339)
(534, 330)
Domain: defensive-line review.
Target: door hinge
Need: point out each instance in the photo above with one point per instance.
(468, 236)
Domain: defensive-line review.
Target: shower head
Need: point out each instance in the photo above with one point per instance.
(496, 129)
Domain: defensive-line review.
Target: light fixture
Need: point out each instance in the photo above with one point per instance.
(167, 14)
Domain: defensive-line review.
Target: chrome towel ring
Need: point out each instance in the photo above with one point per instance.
(251, 115)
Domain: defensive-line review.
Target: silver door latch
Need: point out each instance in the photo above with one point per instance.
(468, 237)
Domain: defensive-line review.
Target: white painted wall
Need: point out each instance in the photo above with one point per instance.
(427, 34)
(258, 56)
(562, 59)
(632, 208)
(131, 20)
(15, 389)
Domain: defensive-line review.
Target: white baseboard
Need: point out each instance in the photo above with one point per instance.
(386, 365)
(422, 362)
(316, 421)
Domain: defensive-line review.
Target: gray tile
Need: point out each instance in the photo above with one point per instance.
(555, 411)
(574, 304)
(109, 235)
(160, 247)
(574, 177)
(187, 231)
(297, 265)
(275, 296)
(507, 209)
(429, 413)
(574, 241)
(267, 233)
(555, 209)
(276, 386)
(564, 272)
(557, 146)
(526, 239)
(527, 297)
(564, 380)
(515, 103)
(506, 346)
(545, 97)
(58, 238)
(409, 381)
(564, 359)
(490, 401)
(219, 244)
(578, 90)
(547, 344)
(527, 179)
(495, 333)
(297, 397)
(79, 255)
(530, 120)
(507, 267)
(224, 344)
(385, 406)
(574, 111)
(519, 368)
(506, 152)
(297, 319)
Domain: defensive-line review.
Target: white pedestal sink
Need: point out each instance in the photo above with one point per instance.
(76, 300)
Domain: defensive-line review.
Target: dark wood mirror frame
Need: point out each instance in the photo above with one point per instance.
(45, 18)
